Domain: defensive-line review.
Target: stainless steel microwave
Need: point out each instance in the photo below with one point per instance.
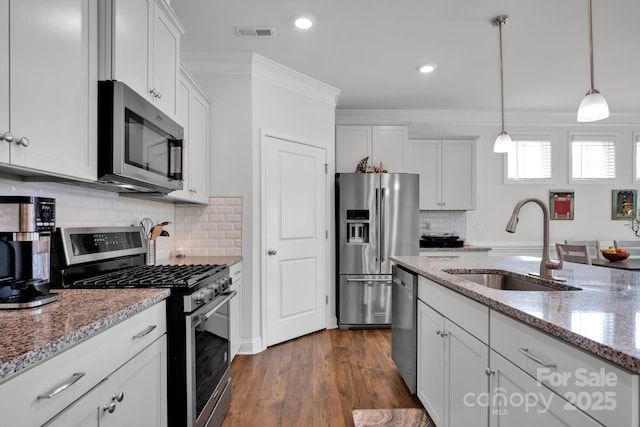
(139, 147)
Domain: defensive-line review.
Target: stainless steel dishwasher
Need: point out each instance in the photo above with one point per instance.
(404, 297)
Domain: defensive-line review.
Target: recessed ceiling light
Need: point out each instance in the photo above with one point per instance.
(427, 68)
(303, 22)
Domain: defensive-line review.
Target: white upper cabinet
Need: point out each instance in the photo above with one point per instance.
(141, 47)
(447, 171)
(48, 52)
(193, 116)
(383, 144)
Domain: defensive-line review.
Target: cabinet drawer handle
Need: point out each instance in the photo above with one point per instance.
(22, 141)
(62, 387)
(145, 332)
(6, 137)
(111, 407)
(525, 351)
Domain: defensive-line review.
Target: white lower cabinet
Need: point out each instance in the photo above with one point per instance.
(73, 387)
(480, 367)
(598, 388)
(518, 400)
(134, 395)
(452, 371)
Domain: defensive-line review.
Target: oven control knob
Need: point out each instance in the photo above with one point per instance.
(201, 297)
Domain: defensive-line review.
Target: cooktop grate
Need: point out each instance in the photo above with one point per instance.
(153, 276)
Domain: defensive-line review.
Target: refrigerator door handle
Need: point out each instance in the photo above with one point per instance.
(382, 223)
(377, 213)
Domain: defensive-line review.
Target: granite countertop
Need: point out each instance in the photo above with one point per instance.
(32, 335)
(460, 249)
(603, 318)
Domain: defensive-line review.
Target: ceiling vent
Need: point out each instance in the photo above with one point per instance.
(255, 31)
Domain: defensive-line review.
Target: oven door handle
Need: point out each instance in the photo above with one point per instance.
(227, 296)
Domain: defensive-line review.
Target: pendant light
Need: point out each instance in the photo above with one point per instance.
(593, 106)
(503, 141)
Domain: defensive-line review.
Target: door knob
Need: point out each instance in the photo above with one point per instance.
(272, 252)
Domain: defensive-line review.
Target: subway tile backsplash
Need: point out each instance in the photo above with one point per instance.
(78, 206)
(443, 222)
(213, 230)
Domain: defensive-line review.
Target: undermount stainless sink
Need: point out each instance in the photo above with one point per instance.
(510, 281)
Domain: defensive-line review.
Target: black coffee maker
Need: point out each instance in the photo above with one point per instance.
(26, 224)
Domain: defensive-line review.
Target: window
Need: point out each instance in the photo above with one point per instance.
(636, 157)
(529, 160)
(593, 157)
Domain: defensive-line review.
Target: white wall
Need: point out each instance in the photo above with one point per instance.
(495, 199)
(245, 101)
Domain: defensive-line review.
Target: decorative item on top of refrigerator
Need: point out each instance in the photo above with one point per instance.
(377, 217)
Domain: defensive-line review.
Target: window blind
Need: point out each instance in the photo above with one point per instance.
(529, 159)
(593, 159)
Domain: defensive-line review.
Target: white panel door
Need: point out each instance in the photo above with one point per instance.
(423, 157)
(431, 362)
(4, 78)
(458, 175)
(133, 20)
(353, 143)
(166, 59)
(467, 359)
(295, 243)
(53, 73)
(388, 147)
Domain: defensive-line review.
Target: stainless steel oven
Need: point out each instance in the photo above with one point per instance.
(207, 367)
(198, 379)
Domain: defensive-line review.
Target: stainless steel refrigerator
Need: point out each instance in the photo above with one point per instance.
(376, 218)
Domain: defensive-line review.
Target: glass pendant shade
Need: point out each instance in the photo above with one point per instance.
(503, 143)
(593, 107)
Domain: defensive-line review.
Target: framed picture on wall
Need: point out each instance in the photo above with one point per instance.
(624, 204)
(561, 204)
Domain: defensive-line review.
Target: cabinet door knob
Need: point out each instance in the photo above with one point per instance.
(272, 252)
(110, 408)
(6, 137)
(22, 141)
(489, 371)
(438, 332)
(118, 397)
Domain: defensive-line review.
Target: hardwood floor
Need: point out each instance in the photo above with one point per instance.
(317, 380)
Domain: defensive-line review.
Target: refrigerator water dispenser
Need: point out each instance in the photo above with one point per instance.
(358, 226)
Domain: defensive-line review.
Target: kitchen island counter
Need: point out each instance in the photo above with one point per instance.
(603, 318)
(30, 336)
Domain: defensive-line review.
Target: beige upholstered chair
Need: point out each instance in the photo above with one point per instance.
(633, 246)
(593, 245)
(573, 253)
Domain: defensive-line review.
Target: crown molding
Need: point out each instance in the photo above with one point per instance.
(254, 65)
(470, 117)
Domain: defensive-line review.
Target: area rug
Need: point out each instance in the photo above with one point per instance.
(410, 417)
